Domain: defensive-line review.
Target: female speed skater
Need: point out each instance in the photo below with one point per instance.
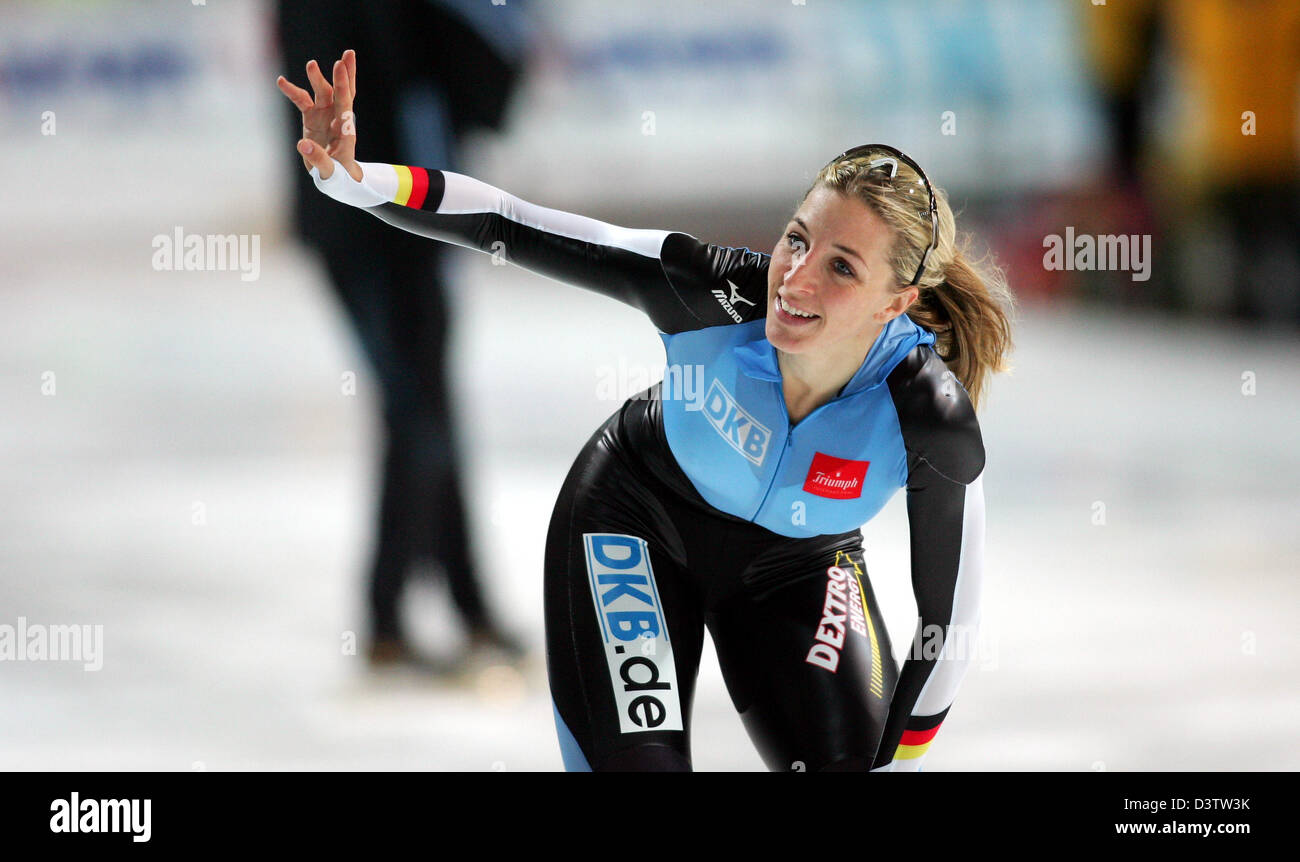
(843, 366)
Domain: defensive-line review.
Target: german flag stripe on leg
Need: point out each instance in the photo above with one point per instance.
(917, 735)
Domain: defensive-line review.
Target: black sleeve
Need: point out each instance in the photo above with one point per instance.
(680, 282)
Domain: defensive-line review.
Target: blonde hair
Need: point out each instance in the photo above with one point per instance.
(966, 303)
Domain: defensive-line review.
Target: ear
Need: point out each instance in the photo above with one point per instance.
(900, 303)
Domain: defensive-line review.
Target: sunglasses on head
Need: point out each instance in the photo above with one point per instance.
(886, 165)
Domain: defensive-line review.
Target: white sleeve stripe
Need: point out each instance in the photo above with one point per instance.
(464, 195)
(946, 673)
(380, 177)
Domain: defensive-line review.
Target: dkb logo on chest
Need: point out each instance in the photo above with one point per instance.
(746, 434)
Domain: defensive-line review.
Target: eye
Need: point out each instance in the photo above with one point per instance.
(842, 267)
(796, 241)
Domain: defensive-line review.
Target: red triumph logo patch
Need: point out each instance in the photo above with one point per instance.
(837, 478)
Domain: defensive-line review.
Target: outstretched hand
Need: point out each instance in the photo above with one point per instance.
(328, 125)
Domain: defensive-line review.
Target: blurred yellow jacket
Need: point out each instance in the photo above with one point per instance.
(1240, 63)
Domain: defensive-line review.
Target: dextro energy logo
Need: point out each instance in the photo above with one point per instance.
(729, 303)
(1083, 251)
(746, 434)
(841, 612)
(637, 648)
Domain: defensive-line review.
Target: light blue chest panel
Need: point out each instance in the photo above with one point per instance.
(726, 422)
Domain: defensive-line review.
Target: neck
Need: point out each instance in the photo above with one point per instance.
(809, 380)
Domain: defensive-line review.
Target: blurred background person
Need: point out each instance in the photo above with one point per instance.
(435, 70)
(1201, 102)
(1234, 162)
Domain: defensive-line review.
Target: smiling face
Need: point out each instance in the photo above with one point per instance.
(832, 262)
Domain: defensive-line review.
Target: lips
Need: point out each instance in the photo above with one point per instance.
(786, 316)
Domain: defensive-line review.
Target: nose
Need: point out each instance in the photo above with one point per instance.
(798, 278)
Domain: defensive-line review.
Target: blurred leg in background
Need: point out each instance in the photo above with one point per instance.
(397, 306)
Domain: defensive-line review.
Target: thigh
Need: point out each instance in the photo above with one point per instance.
(624, 626)
(808, 665)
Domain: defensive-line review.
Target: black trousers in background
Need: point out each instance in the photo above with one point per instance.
(398, 309)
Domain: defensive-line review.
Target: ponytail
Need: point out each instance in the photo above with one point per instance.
(969, 314)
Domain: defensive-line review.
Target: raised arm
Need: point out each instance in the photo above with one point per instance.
(669, 275)
(945, 511)
(679, 281)
(623, 263)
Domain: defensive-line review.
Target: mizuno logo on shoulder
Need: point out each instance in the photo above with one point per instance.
(729, 303)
